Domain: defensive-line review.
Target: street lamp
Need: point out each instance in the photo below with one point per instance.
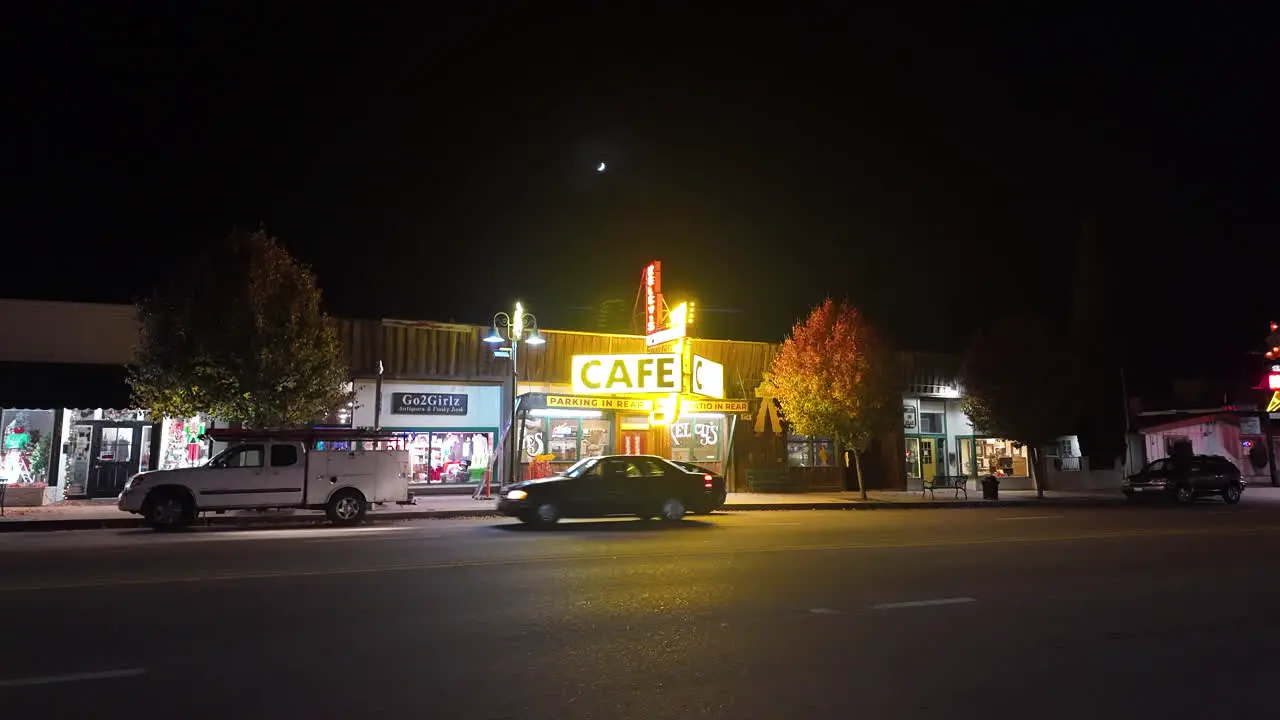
(515, 326)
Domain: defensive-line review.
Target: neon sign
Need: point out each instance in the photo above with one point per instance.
(678, 322)
(652, 295)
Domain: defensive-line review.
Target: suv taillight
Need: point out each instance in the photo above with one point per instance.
(706, 481)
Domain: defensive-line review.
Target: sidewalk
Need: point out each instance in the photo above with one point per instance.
(92, 514)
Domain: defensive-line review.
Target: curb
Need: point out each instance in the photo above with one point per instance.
(134, 522)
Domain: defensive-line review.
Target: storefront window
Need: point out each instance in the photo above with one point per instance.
(563, 439)
(595, 437)
(806, 451)
(453, 458)
(1001, 458)
(144, 452)
(26, 438)
(913, 457)
(697, 438)
(180, 443)
(535, 439)
(116, 445)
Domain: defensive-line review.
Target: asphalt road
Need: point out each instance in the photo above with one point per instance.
(994, 613)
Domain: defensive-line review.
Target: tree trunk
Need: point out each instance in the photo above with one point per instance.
(857, 464)
(1037, 470)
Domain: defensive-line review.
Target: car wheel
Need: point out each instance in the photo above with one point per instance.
(166, 511)
(672, 510)
(1231, 494)
(346, 508)
(1184, 495)
(547, 514)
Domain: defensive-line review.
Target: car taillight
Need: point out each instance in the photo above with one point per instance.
(706, 481)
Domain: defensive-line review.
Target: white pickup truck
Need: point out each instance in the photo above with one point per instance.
(341, 472)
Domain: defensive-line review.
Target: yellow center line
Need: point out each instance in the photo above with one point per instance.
(449, 564)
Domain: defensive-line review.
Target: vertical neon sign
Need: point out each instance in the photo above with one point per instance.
(652, 295)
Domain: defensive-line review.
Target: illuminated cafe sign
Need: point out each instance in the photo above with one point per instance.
(428, 403)
(599, 403)
(713, 406)
(635, 374)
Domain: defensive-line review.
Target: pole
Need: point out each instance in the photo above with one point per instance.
(1271, 448)
(1124, 392)
(512, 456)
(377, 400)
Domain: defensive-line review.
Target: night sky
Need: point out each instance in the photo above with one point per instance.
(934, 169)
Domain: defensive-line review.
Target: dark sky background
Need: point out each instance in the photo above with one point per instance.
(934, 169)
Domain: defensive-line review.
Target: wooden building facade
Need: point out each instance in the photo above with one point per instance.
(758, 455)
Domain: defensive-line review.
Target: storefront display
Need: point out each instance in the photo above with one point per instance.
(180, 443)
(805, 451)
(25, 445)
(1002, 458)
(449, 458)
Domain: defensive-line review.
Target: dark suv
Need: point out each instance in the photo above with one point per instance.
(1185, 478)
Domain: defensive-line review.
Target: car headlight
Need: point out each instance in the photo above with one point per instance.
(517, 495)
(134, 482)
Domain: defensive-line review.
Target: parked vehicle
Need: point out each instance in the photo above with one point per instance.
(342, 472)
(1184, 478)
(646, 486)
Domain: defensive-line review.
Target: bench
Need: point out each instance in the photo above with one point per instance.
(766, 481)
(957, 483)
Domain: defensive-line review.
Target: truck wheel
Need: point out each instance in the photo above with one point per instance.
(167, 510)
(346, 507)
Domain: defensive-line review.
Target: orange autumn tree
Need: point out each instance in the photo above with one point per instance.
(835, 377)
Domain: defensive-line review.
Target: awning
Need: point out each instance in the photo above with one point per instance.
(63, 385)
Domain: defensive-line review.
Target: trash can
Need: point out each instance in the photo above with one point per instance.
(990, 488)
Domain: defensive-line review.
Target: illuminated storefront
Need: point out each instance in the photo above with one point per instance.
(450, 428)
(667, 401)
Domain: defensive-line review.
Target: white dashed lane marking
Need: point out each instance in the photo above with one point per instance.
(72, 677)
(924, 603)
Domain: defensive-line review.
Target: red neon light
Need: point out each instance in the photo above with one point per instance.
(652, 293)
(1273, 381)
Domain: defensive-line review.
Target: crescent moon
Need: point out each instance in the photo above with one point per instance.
(601, 168)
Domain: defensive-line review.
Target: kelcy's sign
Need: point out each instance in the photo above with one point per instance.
(706, 433)
(599, 403)
(428, 404)
(627, 374)
(707, 378)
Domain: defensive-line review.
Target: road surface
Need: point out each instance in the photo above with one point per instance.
(1031, 613)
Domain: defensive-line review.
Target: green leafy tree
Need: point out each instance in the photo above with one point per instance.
(835, 377)
(1022, 385)
(238, 333)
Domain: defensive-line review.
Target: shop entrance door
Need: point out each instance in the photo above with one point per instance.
(928, 458)
(634, 442)
(115, 452)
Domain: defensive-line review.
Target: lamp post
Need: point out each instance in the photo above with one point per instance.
(514, 325)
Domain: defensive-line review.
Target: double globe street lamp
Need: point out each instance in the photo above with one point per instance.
(514, 326)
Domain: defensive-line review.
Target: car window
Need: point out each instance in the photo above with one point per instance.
(284, 455)
(1156, 467)
(645, 467)
(244, 456)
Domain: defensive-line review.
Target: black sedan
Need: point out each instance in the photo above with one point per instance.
(642, 485)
